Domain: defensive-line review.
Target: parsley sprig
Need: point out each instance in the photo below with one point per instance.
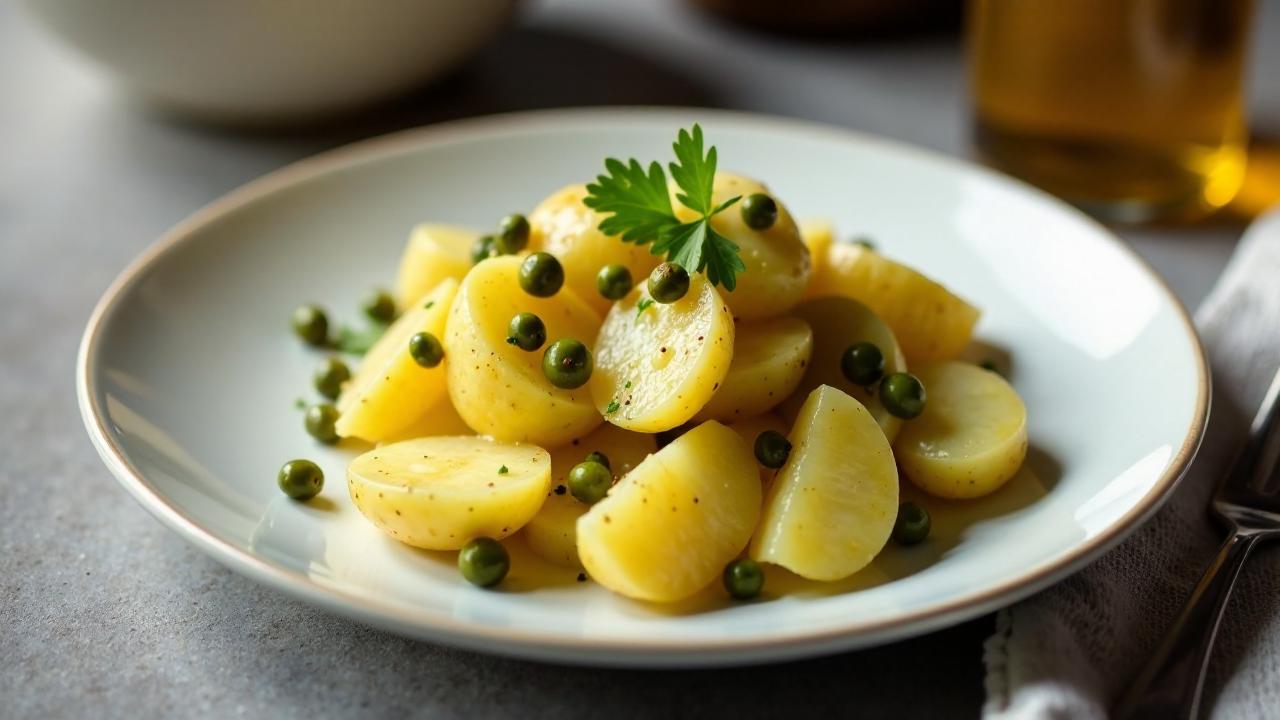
(639, 209)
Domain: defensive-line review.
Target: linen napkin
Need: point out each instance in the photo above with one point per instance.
(1069, 651)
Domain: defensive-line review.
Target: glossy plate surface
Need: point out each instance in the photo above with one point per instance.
(188, 376)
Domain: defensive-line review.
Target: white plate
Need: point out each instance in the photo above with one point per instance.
(188, 375)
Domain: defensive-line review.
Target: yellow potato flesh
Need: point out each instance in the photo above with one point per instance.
(833, 504)
(390, 390)
(769, 359)
(438, 493)
(564, 227)
(750, 428)
(656, 368)
(930, 323)
(837, 323)
(971, 438)
(817, 235)
(439, 419)
(553, 533)
(778, 264)
(668, 528)
(496, 387)
(434, 253)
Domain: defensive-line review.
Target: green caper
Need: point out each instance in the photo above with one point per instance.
(320, 420)
(526, 331)
(329, 377)
(484, 247)
(513, 234)
(668, 283)
(912, 525)
(300, 479)
(567, 364)
(483, 562)
(902, 394)
(862, 363)
(426, 349)
(759, 211)
(599, 457)
(541, 275)
(589, 481)
(772, 449)
(614, 281)
(311, 324)
(743, 578)
(379, 306)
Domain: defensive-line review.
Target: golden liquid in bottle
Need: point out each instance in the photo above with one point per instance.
(1132, 109)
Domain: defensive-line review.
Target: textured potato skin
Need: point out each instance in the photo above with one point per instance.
(971, 438)
(499, 389)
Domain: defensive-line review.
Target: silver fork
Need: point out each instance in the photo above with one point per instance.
(1247, 501)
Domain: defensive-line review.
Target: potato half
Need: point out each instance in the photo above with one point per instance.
(668, 528)
(657, 366)
(496, 387)
(389, 390)
(564, 227)
(433, 254)
(832, 506)
(438, 493)
(971, 438)
(769, 359)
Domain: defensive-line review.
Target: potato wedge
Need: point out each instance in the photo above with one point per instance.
(832, 507)
(496, 387)
(837, 323)
(553, 533)
(564, 227)
(439, 419)
(778, 264)
(930, 323)
(769, 359)
(667, 529)
(658, 366)
(971, 438)
(389, 391)
(438, 493)
(433, 253)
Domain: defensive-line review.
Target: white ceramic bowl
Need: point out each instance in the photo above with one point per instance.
(188, 376)
(256, 61)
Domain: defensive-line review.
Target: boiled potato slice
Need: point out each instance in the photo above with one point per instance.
(668, 528)
(833, 504)
(553, 533)
(769, 358)
(564, 227)
(750, 428)
(817, 235)
(930, 323)
(438, 493)
(778, 264)
(389, 390)
(971, 438)
(658, 366)
(434, 253)
(837, 323)
(496, 387)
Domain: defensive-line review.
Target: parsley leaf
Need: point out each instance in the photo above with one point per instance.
(639, 209)
(643, 305)
(612, 407)
(356, 341)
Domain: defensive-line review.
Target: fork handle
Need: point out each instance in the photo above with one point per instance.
(1170, 685)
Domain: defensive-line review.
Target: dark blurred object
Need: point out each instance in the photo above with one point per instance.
(837, 17)
(1132, 109)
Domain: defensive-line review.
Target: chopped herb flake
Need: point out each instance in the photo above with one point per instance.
(612, 408)
(643, 305)
(503, 470)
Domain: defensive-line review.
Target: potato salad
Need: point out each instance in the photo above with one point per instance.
(662, 381)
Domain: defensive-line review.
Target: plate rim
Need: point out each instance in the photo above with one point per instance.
(533, 644)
